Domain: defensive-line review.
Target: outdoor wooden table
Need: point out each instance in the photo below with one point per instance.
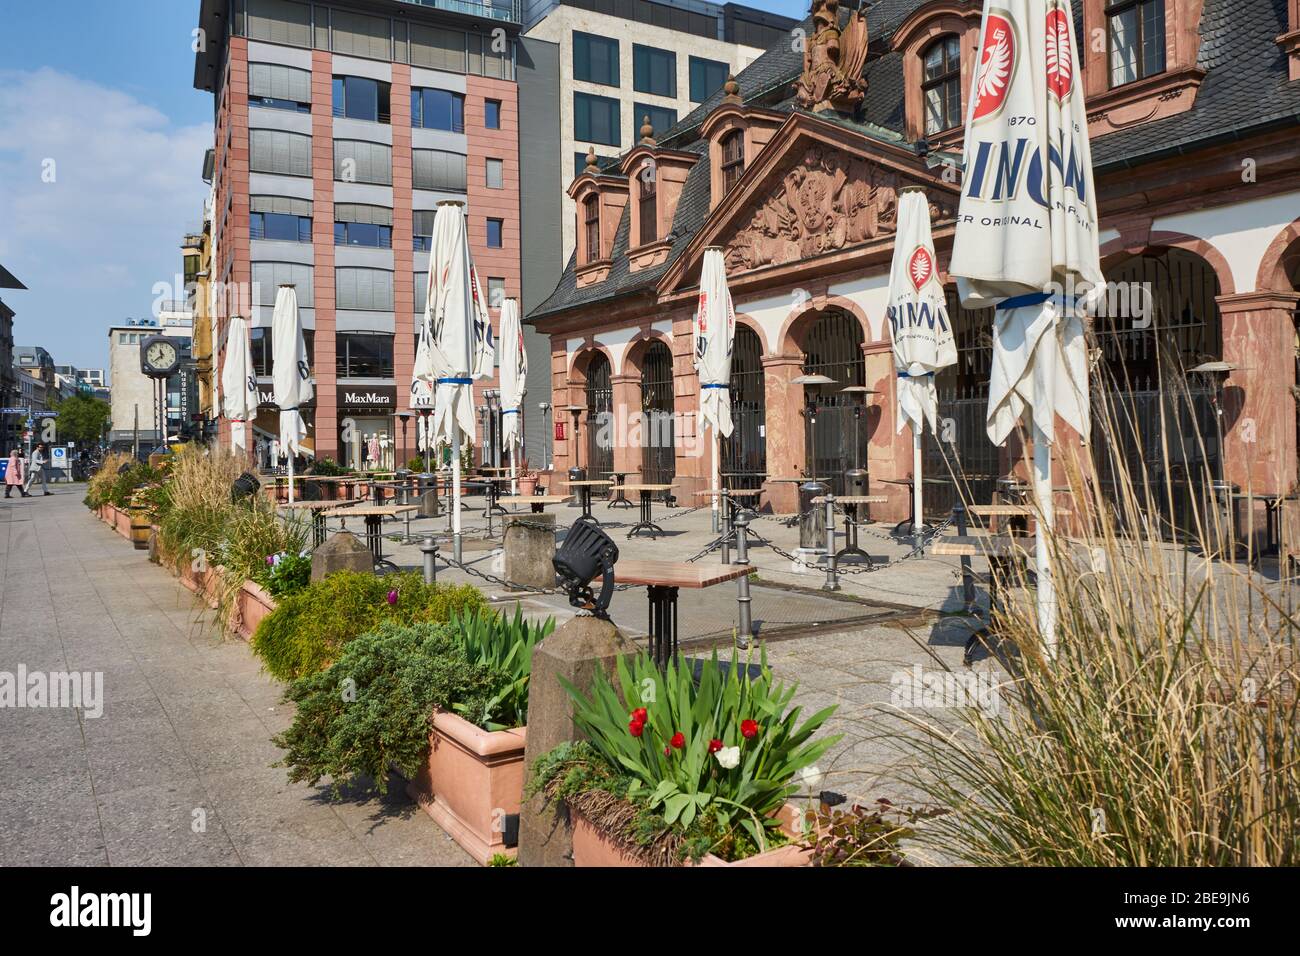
(618, 498)
(374, 515)
(537, 502)
(904, 528)
(646, 522)
(662, 580)
(317, 509)
(584, 496)
(1272, 520)
(1017, 513)
(851, 545)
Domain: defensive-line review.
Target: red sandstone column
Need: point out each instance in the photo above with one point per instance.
(322, 238)
(889, 451)
(1259, 409)
(627, 407)
(783, 404)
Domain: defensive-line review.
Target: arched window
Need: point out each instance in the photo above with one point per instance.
(733, 158)
(646, 206)
(1135, 31)
(941, 84)
(591, 225)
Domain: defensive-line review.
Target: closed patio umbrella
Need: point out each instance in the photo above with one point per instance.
(715, 333)
(422, 392)
(1026, 238)
(239, 396)
(290, 373)
(513, 362)
(919, 328)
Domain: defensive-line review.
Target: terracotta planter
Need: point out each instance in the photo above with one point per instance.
(594, 847)
(473, 780)
(122, 522)
(203, 583)
(254, 604)
(528, 486)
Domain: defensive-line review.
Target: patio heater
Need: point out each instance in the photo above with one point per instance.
(1215, 375)
(404, 418)
(547, 446)
(812, 527)
(576, 411)
(493, 398)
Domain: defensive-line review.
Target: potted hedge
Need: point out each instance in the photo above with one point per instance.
(680, 767)
(442, 704)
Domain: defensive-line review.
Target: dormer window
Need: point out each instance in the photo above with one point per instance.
(1135, 32)
(646, 210)
(733, 158)
(941, 86)
(591, 225)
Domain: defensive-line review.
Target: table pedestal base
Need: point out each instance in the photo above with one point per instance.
(645, 523)
(662, 624)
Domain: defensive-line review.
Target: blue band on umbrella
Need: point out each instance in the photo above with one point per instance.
(715, 386)
(509, 411)
(455, 381)
(292, 408)
(910, 375)
(1033, 298)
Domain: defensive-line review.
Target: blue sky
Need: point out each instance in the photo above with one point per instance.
(101, 150)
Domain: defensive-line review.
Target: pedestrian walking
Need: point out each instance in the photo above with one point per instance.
(37, 470)
(15, 474)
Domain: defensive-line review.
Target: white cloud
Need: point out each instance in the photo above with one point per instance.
(91, 244)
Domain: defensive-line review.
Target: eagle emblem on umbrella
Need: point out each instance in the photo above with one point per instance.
(920, 268)
(997, 62)
(1060, 73)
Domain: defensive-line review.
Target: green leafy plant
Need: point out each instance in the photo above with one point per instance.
(727, 746)
(506, 645)
(284, 573)
(307, 630)
(329, 468)
(370, 709)
(864, 836)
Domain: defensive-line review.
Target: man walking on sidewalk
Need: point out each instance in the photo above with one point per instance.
(37, 470)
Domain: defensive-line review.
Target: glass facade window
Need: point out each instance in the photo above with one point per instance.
(363, 355)
(596, 119)
(941, 86)
(496, 292)
(595, 59)
(494, 171)
(438, 109)
(368, 290)
(438, 170)
(1136, 33)
(495, 228)
(422, 235)
(492, 114)
(275, 151)
(358, 97)
(356, 161)
(263, 360)
(661, 118)
(654, 71)
(279, 87)
(363, 234)
(281, 226)
(707, 76)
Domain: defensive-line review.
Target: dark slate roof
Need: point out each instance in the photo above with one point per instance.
(1245, 90)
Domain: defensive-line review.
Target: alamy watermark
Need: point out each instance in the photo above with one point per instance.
(934, 689)
(53, 689)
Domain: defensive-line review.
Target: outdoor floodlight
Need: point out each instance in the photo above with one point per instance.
(587, 551)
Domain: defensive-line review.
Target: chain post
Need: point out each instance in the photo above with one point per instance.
(832, 582)
(744, 603)
(430, 551)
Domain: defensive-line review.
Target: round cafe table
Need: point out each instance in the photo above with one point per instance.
(647, 517)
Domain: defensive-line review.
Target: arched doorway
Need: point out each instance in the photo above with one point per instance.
(1150, 418)
(960, 457)
(658, 465)
(600, 406)
(833, 347)
(744, 454)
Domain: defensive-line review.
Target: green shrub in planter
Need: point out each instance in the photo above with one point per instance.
(370, 709)
(505, 645)
(284, 574)
(307, 630)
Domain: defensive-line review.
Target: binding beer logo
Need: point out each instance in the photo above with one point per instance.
(920, 267)
(997, 64)
(1060, 55)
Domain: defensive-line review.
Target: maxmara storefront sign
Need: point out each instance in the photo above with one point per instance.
(367, 398)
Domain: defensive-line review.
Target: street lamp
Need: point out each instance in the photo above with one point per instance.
(404, 417)
(576, 411)
(546, 411)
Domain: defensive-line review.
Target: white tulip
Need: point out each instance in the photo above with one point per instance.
(728, 757)
(812, 775)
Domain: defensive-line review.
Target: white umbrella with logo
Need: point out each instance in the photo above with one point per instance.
(918, 328)
(239, 397)
(1026, 240)
(422, 391)
(513, 362)
(454, 355)
(290, 373)
(715, 333)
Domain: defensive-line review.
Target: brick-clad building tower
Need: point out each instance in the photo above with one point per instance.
(339, 127)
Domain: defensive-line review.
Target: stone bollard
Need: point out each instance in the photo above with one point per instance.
(529, 548)
(342, 552)
(572, 652)
(744, 603)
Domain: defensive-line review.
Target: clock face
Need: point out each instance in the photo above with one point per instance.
(160, 357)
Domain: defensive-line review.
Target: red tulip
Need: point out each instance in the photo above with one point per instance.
(749, 729)
(635, 728)
(678, 740)
(640, 714)
(715, 745)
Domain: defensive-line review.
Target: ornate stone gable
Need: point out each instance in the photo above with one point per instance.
(827, 200)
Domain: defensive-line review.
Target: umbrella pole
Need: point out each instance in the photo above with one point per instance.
(716, 477)
(290, 477)
(514, 473)
(1046, 592)
(455, 491)
(917, 521)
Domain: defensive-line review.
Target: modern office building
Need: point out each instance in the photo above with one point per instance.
(591, 72)
(339, 127)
